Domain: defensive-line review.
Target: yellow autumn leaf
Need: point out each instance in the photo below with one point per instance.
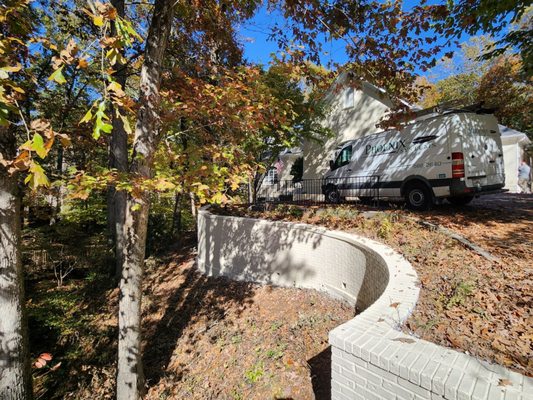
(98, 20)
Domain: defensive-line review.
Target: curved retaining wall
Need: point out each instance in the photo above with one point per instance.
(371, 358)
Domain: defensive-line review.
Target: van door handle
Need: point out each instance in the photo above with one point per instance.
(350, 170)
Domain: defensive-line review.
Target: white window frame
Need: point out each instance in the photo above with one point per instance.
(271, 176)
(348, 98)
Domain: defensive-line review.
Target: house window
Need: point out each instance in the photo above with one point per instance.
(348, 98)
(271, 177)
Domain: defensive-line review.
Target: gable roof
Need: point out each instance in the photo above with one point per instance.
(510, 136)
(378, 93)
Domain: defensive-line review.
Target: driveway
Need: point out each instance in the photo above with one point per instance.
(507, 202)
(501, 224)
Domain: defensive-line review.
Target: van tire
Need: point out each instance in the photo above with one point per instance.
(460, 200)
(332, 195)
(418, 196)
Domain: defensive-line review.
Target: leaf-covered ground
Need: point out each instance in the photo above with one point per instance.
(481, 307)
(204, 338)
(219, 339)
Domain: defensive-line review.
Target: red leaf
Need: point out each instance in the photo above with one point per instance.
(46, 356)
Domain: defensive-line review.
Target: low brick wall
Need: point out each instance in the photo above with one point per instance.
(371, 358)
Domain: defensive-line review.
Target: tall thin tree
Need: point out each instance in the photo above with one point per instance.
(130, 377)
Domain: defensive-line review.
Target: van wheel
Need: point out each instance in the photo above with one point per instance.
(460, 201)
(332, 195)
(418, 197)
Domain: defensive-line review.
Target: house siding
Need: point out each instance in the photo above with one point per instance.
(370, 106)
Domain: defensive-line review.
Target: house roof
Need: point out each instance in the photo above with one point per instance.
(510, 135)
(381, 94)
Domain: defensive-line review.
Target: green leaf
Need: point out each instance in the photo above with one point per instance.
(126, 32)
(36, 176)
(127, 126)
(4, 113)
(87, 117)
(115, 56)
(100, 124)
(135, 207)
(99, 127)
(57, 76)
(38, 146)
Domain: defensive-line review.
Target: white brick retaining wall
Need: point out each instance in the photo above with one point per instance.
(371, 358)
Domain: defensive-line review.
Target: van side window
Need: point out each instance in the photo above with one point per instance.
(344, 157)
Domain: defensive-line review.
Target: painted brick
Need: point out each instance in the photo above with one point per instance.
(496, 393)
(380, 391)
(366, 362)
(416, 370)
(366, 393)
(342, 379)
(512, 395)
(466, 386)
(340, 388)
(401, 392)
(368, 375)
(384, 374)
(369, 346)
(406, 364)
(354, 377)
(335, 395)
(481, 390)
(437, 383)
(452, 384)
(415, 389)
(352, 359)
(344, 363)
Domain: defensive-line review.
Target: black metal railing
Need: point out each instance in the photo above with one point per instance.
(325, 190)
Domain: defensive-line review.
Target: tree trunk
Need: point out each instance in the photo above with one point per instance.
(193, 205)
(15, 374)
(118, 159)
(176, 216)
(130, 378)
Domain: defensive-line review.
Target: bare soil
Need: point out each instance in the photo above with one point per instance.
(480, 307)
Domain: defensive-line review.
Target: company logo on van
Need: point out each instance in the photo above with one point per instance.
(386, 148)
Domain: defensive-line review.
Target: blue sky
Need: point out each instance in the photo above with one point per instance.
(258, 48)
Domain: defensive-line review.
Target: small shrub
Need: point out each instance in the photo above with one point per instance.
(385, 228)
(461, 292)
(255, 373)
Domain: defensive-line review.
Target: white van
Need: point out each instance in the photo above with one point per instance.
(455, 155)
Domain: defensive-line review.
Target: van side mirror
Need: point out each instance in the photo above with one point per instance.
(331, 165)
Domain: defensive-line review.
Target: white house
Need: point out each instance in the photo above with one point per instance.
(355, 110)
(514, 144)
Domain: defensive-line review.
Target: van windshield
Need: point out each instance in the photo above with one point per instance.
(344, 157)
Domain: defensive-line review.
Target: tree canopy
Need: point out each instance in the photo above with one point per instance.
(166, 85)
